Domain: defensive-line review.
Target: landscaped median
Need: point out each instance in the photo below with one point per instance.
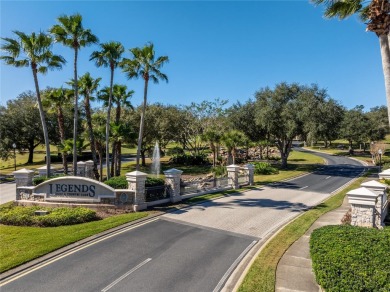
(262, 274)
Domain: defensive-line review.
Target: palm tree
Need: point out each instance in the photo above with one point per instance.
(213, 138)
(120, 96)
(232, 139)
(376, 14)
(55, 99)
(71, 33)
(109, 56)
(88, 86)
(100, 139)
(143, 64)
(33, 51)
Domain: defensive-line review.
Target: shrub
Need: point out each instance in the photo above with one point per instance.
(120, 182)
(40, 179)
(175, 151)
(347, 258)
(117, 182)
(219, 170)
(25, 216)
(189, 159)
(154, 182)
(265, 168)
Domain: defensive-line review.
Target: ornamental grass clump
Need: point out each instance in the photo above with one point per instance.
(348, 258)
(265, 168)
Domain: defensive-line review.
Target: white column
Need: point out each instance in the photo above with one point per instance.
(89, 169)
(172, 180)
(136, 182)
(23, 178)
(363, 202)
(43, 170)
(249, 173)
(81, 168)
(381, 209)
(233, 176)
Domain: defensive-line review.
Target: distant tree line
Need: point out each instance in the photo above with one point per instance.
(276, 116)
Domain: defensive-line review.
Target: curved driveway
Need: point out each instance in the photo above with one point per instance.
(192, 249)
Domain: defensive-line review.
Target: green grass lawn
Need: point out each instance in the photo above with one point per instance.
(262, 273)
(19, 245)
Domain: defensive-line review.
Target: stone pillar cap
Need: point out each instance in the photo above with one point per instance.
(89, 161)
(374, 184)
(233, 166)
(45, 167)
(364, 192)
(249, 166)
(24, 171)
(173, 171)
(80, 163)
(137, 173)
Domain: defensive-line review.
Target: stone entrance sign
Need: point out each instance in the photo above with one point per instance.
(74, 189)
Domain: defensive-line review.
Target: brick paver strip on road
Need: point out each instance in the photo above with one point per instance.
(255, 212)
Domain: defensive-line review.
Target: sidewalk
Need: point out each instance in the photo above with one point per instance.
(294, 271)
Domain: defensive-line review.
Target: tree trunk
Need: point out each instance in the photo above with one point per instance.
(43, 119)
(61, 126)
(108, 125)
(76, 112)
(141, 126)
(143, 157)
(31, 148)
(91, 136)
(119, 158)
(385, 54)
(113, 158)
(101, 163)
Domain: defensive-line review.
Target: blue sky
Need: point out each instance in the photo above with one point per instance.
(217, 49)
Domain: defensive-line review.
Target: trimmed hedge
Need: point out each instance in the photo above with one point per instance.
(120, 182)
(347, 258)
(189, 159)
(25, 216)
(265, 168)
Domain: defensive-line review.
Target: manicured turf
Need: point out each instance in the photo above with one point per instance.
(22, 244)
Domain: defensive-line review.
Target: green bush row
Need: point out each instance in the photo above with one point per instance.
(265, 168)
(25, 216)
(189, 159)
(347, 258)
(120, 182)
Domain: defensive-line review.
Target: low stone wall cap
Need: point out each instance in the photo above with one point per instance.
(374, 183)
(362, 192)
(80, 162)
(136, 173)
(173, 171)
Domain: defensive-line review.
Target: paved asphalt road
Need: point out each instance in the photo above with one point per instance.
(193, 249)
(7, 192)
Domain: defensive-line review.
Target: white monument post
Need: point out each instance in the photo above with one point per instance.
(363, 202)
(233, 175)
(81, 168)
(249, 173)
(23, 178)
(89, 169)
(172, 180)
(136, 182)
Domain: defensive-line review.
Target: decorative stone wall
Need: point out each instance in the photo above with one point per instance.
(363, 215)
(172, 180)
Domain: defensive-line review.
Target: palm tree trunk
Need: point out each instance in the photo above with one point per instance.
(385, 54)
(119, 158)
(91, 136)
(108, 125)
(76, 113)
(141, 126)
(113, 158)
(61, 126)
(43, 120)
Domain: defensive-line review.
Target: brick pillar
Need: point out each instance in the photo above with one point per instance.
(172, 180)
(23, 178)
(249, 173)
(363, 203)
(81, 168)
(136, 182)
(233, 176)
(89, 169)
